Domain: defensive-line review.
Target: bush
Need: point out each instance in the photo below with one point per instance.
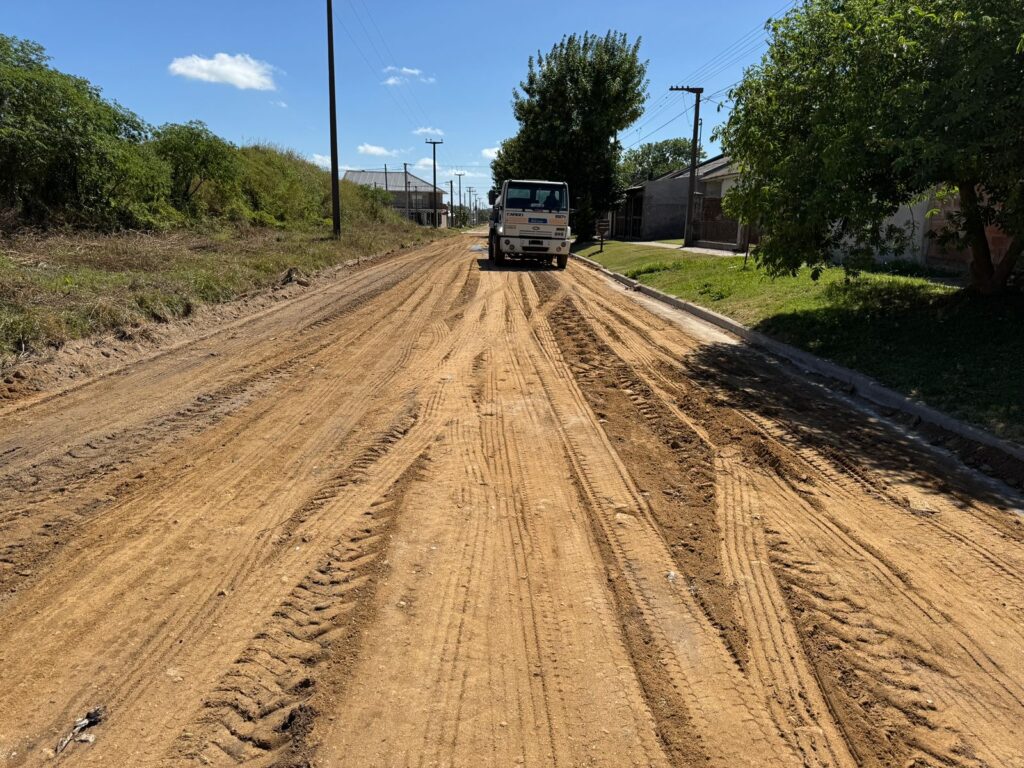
(70, 157)
(67, 154)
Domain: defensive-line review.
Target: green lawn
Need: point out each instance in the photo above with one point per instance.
(677, 241)
(956, 352)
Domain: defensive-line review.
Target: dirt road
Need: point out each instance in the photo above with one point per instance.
(433, 514)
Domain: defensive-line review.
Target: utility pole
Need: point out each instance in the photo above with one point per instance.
(335, 191)
(470, 212)
(433, 143)
(460, 174)
(451, 205)
(406, 166)
(386, 178)
(693, 160)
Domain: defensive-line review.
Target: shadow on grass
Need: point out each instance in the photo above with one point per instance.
(957, 352)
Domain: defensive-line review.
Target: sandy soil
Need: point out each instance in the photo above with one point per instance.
(430, 513)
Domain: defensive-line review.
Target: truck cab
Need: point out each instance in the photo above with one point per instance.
(530, 220)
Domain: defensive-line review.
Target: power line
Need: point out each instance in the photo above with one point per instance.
(373, 72)
(737, 51)
(383, 64)
(653, 115)
(663, 125)
(745, 39)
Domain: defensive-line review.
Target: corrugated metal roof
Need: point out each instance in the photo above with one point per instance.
(395, 181)
(710, 166)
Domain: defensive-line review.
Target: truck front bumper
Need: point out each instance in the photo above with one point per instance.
(519, 246)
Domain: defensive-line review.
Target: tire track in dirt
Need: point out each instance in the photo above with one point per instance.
(57, 492)
(873, 673)
(441, 513)
(259, 710)
(199, 615)
(717, 695)
(496, 606)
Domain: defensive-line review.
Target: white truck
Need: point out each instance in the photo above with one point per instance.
(530, 220)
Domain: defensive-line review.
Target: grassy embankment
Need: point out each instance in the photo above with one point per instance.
(59, 287)
(959, 353)
(107, 222)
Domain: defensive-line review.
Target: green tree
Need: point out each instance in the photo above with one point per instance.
(570, 109)
(65, 152)
(649, 161)
(860, 106)
(196, 156)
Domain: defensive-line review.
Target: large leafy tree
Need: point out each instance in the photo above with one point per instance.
(67, 154)
(570, 108)
(649, 161)
(860, 106)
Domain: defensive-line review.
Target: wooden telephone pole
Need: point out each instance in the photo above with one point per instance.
(335, 191)
(694, 150)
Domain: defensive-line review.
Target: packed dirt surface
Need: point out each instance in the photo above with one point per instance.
(431, 513)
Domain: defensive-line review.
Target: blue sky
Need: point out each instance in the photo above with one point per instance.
(403, 67)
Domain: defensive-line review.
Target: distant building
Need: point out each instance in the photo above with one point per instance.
(422, 195)
(656, 209)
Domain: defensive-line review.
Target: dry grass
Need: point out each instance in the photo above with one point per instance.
(55, 288)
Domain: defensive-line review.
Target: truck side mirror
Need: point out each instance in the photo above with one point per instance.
(492, 196)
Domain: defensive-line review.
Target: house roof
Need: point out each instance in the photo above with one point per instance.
(710, 168)
(395, 181)
(721, 172)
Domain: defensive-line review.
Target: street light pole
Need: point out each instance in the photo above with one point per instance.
(405, 167)
(335, 191)
(451, 205)
(460, 174)
(433, 143)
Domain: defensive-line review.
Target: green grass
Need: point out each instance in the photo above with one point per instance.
(677, 241)
(957, 352)
(55, 288)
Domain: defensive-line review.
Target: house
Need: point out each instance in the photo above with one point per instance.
(656, 209)
(410, 195)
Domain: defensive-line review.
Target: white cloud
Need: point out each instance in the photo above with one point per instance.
(489, 152)
(241, 71)
(324, 161)
(281, 104)
(428, 132)
(403, 75)
(374, 151)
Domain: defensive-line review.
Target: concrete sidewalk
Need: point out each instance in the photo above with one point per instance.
(674, 247)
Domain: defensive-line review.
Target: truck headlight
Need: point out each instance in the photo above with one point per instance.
(501, 231)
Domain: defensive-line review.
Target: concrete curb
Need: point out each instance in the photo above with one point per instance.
(860, 385)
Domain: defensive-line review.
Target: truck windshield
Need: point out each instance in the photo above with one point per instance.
(537, 197)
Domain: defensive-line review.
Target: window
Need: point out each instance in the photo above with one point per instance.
(537, 197)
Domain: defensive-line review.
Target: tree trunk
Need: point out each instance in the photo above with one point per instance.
(987, 277)
(982, 268)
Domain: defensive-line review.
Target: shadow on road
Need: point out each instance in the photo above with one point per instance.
(486, 265)
(847, 436)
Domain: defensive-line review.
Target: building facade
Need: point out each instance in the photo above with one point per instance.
(411, 196)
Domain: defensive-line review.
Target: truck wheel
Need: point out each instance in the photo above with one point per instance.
(499, 256)
(563, 260)
(490, 248)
